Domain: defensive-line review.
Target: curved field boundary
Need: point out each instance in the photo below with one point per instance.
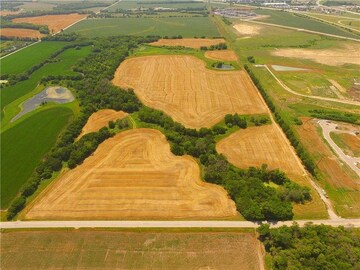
(222, 55)
(133, 175)
(181, 86)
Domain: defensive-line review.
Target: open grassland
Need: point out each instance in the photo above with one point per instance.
(187, 27)
(23, 146)
(349, 54)
(256, 146)
(291, 20)
(55, 22)
(195, 43)
(29, 57)
(342, 185)
(350, 22)
(101, 119)
(222, 55)
(37, 6)
(182, 87)
(153, 4)
(93, 249)
(13, 96)
(133, 175)
(349, 143)
(18, 32)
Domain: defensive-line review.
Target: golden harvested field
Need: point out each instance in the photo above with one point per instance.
(101, 119)
(182, 87)
(19, 32)
(222, 55)
(349, 54)
(96, 249)
(54, 22)
(133, 175)
(255, 146)
(195, 43)
(247, 29)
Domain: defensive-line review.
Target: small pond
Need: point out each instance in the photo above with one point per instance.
(56, 94)
(225, 67)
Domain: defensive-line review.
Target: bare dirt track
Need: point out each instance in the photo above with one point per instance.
(195, 43)
(101, 249)
(54, 22)
(349, 54)
(222, 55)
(101, 119)
(133, 175)
(181, 86)
(18, 32)
(255, 146)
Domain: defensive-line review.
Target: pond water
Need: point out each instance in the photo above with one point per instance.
(225, 67)
(56, 94)
(285, 68)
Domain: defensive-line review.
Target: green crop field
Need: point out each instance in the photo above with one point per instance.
(24, 145)
(292, 20)
(63, 67)
(187, 27)
(28, 57)
(152, 4)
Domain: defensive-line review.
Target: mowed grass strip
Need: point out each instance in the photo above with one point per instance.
(291, 20)
(91, 249)
(24, 145)
(187, 27)
(28, 57)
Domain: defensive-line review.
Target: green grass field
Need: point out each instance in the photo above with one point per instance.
(24, 145)
(291, 20)
(63, 67)
(187, 27)
(28, 57)
(106, 249)
(152, 4)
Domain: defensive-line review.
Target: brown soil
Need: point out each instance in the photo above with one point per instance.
(101, 119)
(133, 175)
(54, 22)
(18, 32)
(223, 55)
(195, 43)
(184, 88)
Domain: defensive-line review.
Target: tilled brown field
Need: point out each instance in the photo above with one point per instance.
(222, 55)
(54, 22)
(181, 86)
(195, 43)
(96, 249)
(101, 119)
(19, 32)
(133, 175)
(255, 146)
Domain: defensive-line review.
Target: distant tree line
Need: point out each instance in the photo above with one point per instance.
(311, 247)
(220, 46)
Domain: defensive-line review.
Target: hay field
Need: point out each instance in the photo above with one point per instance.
(54, 22)
(255, 146)
(348, 54)
(100, 249)
(181, 86)
(101, 119)
(223, 55)
(19, 32)
(195, 43)
(133, 175)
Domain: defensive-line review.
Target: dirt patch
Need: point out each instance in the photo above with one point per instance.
(54, 22)
(195, 43)
(184, 88)
(95, 249)
(101, 119)
(19, 32)
(349, 54)
(222, 55)
(247, 29)
(133, 175)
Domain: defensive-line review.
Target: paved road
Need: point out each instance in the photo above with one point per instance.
(348, 102)
(166, 224)
(327, 128)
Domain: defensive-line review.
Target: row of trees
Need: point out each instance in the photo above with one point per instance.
(220, 46)
(311, 247)
(295, 142)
